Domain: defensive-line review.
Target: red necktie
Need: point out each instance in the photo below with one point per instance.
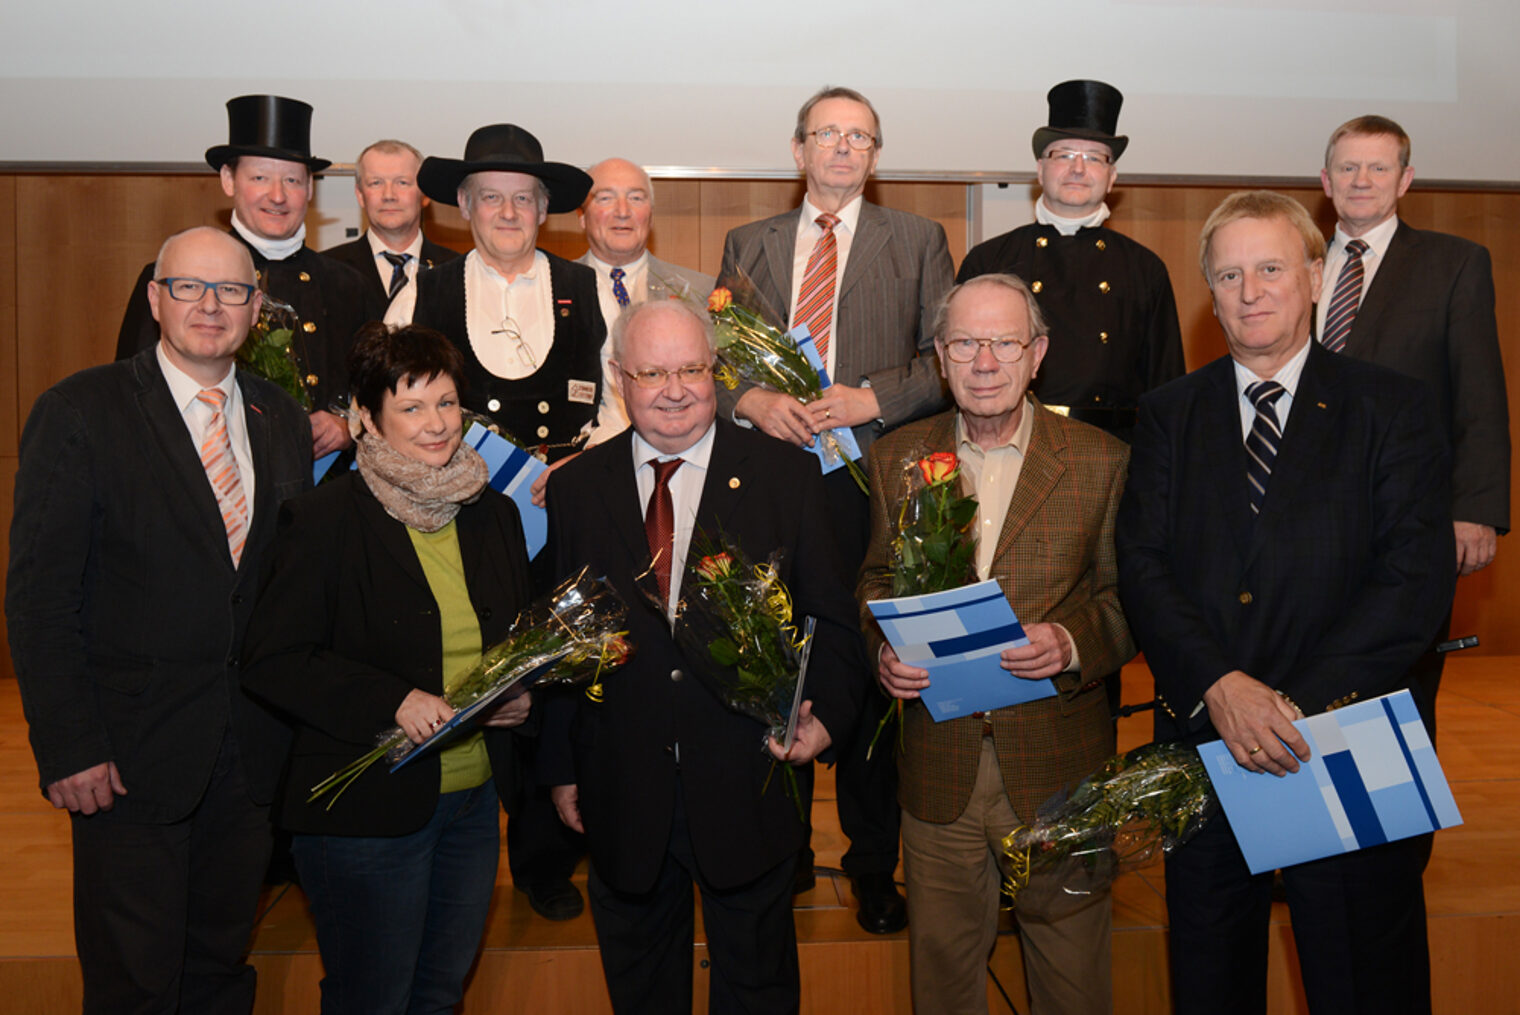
(815, 300)
(222, 470)
(660, 524)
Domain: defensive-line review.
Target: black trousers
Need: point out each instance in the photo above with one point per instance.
(646, 939)
(1358, 928)
(164, 914)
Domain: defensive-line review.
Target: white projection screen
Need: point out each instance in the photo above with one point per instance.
(1213, 88)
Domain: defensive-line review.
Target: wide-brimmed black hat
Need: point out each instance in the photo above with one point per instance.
(504, 148)
(1088, 110)
(270, 126)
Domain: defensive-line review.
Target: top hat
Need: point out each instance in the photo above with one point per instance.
(504, 148)
(270, 126)
(1087, 110)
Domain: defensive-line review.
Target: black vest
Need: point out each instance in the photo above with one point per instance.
(535, 410)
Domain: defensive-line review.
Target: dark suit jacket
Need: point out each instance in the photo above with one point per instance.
(125, 611)
(762, 495)
(1335, 590)
(1429, 313)
(358, 255)
(347, 626)
(331, 299)
(1055, 563)
(898, 269)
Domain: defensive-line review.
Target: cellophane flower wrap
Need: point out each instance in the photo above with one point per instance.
(739, 616)
(752, 348)
(933, 548)
(578, 630)
(269, 351)
(1136, 807)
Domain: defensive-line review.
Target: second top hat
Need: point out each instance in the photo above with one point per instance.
(269, 126)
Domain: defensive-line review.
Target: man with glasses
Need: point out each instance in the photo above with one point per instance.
(667, 781)
(1113, 319)
(865, 280)
(266, 169)
(1422, 303)
(1047, 491)
(393, 248)
(146, 501)
(527, 321)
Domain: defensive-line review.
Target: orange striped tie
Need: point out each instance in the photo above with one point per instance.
(222, 470)
(815, 300)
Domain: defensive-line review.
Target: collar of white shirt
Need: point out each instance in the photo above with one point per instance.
(1066, 226)
(849, 216)
(1288, 377)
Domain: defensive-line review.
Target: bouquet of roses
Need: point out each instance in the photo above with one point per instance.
(1137, 806)
(932, 549)
(268, 350)
(739, 616)
(753, 349)
(569, 636)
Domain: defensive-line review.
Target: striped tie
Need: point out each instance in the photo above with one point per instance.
(619, 290)
(1262, 441)
(815, 300)
(398, 271)
(222, 470)
(1346, 298)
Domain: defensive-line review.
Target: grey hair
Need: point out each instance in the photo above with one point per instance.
(1037, 323)
(467, 187)
(626, 320)
(834, 92)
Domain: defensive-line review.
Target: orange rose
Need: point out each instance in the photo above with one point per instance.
(717, 566)
(616, 650)
(939, 467)
(719, 301)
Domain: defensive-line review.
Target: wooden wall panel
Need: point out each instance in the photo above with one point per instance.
(10, 413)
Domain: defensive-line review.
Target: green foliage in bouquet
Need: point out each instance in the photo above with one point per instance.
(269, 352)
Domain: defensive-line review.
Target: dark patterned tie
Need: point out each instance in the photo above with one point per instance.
(660, 524)
(619, 290)
(1262, 441)
(815, 300)
(1346, 298)
(398, 271)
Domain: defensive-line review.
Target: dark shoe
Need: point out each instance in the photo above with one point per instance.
(554, 900)
(882, 909)
(803, 878)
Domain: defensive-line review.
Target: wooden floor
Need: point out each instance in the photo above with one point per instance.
(531, 965)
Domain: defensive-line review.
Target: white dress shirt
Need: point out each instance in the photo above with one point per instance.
(378, 250)
(1377, 239)
(1288, 377)
(611, 417)
(685, 496)
(1066, 226)
(197, 416)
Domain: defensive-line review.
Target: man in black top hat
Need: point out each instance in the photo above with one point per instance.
(530, 327)
(529, 323)
(266, 168)
(1113, 319)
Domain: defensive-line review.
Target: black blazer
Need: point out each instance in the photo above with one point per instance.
(1335, 590)
(125, 611)
(761, 494)
(1429, 313)
(358, 255)
(347, 626)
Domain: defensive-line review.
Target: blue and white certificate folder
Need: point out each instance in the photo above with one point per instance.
(827, 460)
(958, 636)
(1373, 777)
(513, 471)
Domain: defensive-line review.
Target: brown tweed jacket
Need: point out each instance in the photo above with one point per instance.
(1055, 562)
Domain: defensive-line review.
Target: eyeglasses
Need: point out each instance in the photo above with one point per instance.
(513, 333)
(828, 137)
(190, 290)
(1004, 350)
(1069, 157)
(653, 377)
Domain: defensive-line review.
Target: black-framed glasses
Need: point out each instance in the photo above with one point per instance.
(653, 377)
(828, 137)
(1070, 157)
(1004, 350)
(190, 290)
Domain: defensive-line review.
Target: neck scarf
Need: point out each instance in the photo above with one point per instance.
(1066, 226)
(420, 496)
(273, 250)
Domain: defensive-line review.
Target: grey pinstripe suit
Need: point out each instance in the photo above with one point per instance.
(898, 269)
